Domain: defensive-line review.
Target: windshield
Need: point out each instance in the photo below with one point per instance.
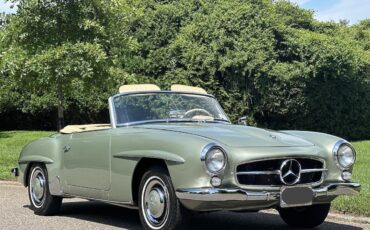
(167, 106)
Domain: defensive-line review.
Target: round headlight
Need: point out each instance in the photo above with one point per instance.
(345, 155)
(214, 158)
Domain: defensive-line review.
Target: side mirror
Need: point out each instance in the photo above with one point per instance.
(242, 121)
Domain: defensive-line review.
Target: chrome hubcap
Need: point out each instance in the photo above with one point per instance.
(155, 202)
(37, 187)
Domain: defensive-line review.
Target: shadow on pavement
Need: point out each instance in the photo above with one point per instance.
(126, 218)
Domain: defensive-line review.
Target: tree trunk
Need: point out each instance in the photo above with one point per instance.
(60, 107)
(248, 93)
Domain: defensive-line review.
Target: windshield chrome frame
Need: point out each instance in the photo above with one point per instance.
(113, 117)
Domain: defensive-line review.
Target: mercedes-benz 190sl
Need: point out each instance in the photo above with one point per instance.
(174, 152)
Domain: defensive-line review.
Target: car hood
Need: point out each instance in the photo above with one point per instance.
(234, 135)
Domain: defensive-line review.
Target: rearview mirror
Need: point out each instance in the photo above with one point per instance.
(242, 121)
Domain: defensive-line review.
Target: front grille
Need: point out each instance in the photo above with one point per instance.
(267, 172)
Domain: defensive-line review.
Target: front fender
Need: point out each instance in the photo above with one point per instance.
(44, 150)
(326, 142)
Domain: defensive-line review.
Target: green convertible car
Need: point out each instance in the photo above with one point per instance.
(171, 153)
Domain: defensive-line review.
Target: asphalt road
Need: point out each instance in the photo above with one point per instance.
(81, 214)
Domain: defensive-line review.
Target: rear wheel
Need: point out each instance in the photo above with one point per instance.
(42, 202)
(305, 217)
(159, 207)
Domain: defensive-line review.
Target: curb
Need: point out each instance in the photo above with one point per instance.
(349, 218)
(335, 216)
(11, 183)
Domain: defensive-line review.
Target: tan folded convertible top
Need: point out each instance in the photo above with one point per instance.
(84, 128)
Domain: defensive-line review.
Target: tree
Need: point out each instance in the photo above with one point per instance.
(269, 60)
(52, 45)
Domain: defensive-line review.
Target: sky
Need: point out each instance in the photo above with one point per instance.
(6, 7)
(325, 10)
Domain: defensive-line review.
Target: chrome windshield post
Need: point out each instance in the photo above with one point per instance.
(112, 113)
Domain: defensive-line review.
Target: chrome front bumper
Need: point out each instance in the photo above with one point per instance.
(220, 194)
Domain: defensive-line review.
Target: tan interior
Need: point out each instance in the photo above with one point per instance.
(202, 117)
(138, 87)
(84, 128)
(186, 88)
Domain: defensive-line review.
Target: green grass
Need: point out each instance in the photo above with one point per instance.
(11, 144)
(358, 204)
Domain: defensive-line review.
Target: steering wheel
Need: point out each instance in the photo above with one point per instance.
(191, 113)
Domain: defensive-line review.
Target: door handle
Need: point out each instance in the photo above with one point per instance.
(66, 148)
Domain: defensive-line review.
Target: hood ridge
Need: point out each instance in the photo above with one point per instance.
(234, 135)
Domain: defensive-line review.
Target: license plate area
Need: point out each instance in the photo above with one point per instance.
(296, 196)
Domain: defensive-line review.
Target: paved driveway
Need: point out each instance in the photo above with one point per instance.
(81, 214)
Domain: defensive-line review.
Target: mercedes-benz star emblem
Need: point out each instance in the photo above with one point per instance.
(290, 172)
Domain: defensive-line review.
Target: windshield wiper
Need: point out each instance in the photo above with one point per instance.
(217, 120)
(221, 120)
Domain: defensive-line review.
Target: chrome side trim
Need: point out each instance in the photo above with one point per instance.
(215, 195)
(129, 205)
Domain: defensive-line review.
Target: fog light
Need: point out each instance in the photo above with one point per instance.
(346, 175)
(215, 181)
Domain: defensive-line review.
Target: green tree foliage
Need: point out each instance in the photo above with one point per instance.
(57, 50)
(268, 60)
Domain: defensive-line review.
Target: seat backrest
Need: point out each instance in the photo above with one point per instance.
(186, 88)
(138, 87)
(84, 128)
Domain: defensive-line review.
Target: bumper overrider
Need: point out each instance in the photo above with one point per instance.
(14, 172)
(207, 198)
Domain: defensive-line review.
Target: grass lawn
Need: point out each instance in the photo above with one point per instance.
(361, 173)
(12, 142)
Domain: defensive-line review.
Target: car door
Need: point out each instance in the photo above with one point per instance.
(87, 160)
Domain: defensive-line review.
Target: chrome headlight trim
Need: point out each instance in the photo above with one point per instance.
(336, 148)
(203, 156)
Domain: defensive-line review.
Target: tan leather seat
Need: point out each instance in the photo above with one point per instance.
(84, 128)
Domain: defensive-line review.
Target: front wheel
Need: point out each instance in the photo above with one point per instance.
(159, 207)
(42, 202)
(305, 217)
